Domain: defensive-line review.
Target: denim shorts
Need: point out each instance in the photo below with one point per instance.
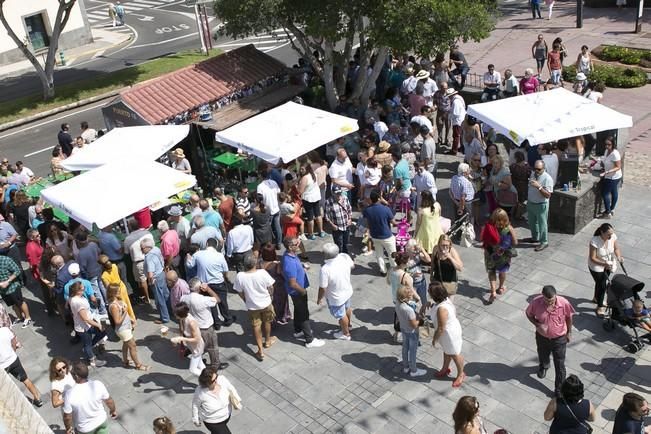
(339, 311)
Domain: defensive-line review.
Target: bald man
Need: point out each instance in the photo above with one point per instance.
(177, 286)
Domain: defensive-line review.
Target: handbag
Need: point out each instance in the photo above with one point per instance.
(234, 400)
(467, 235)
(507, 197)
(585, 425)
(450, 287)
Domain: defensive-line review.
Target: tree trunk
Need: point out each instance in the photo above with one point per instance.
(380, 58)
(328, 76)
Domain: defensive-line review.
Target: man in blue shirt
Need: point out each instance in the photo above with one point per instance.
(88, 259)
(212, 217)
(155, 272)
(379, 219)
(211, 269)
(296, 284)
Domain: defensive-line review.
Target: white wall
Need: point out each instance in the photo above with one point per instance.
(15, 11)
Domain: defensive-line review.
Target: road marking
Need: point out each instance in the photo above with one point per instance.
(99, 53)
(38, 152)
(151, 44)
(4, 136)
(239, 44)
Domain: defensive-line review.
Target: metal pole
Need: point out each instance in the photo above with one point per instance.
(200, 29)
(208, 34)
(638, 18)
(579, 14)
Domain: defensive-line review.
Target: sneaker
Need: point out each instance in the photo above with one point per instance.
(102, 341)
(311, 237)
(316, 343)
(323, 235)
(96, 363)
(405, 370)
(418, 373)
(302, 237)
(365, 249)
(341, 335)
(17, 321)
(37, 403)
(27, 323)
(299, 335)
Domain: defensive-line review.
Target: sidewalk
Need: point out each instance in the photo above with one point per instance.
(103, 40)
(509, 46)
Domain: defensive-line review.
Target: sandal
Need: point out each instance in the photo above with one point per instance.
(142, 367)
(272, 340)
(492, 298)
(442, 373)
(459, 380)
(126, 364)
(501, 290)
(259, 356)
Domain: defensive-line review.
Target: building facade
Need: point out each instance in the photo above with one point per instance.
(33, 21)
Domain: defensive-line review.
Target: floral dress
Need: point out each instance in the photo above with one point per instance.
(497, 258)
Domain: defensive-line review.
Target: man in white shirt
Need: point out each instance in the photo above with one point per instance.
(336, 288)
(429, 86)
(132, 247)
(212, 269)
(202, 301)
(423, 181)
(239, 242)
(269, 190)
(492, 81)
(10, 362)
(456, 116)
(511, 84)
(88, 134)
(409, 84)
(255, 286)
(83, 404)
(341, 171)
(423, 120)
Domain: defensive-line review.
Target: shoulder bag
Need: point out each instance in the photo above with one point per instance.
(585, 425)
(450, 287)
(234, 400)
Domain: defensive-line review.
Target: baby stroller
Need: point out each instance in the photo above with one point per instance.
(463, 230)
(404, 227)
(622, 290)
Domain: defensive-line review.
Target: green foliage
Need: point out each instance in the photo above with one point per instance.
(611, 76)
(628, 56)
(421, 26)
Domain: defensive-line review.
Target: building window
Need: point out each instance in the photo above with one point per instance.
(37, 32)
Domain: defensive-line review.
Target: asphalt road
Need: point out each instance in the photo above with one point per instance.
(32, 143)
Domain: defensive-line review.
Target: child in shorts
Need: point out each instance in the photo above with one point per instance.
(640, 315)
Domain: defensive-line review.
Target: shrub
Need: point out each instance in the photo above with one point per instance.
(611, 76)
(627, 56)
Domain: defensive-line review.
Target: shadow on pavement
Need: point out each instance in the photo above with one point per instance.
(500, 372)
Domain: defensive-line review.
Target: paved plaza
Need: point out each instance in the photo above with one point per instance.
(358, 386)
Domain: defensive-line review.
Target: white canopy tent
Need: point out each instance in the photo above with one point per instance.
(143, 143)
(109, 193)
(544, 117)
(286, 132)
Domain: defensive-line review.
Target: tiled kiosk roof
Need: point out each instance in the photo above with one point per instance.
(171, 94)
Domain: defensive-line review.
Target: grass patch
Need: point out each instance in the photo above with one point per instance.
(99, 84)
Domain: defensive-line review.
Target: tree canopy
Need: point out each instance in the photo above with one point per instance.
(333, 27)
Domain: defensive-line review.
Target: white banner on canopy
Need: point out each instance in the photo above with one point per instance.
(543, 117)
(143, 143)
(286, 132)
(109, 193)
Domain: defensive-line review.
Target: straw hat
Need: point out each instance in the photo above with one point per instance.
(422, 74)
(178, 152)
(581, 76)
(384, 146)
(451, 91)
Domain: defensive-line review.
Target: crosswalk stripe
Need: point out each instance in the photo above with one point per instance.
(142, 5)
(131, 8)
(148, 2)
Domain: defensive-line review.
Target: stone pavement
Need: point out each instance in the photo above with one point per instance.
(509, 46)
(357, 386)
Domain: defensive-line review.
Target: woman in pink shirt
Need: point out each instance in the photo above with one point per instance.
(529, 84)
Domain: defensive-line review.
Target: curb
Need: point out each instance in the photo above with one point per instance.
(41, 115)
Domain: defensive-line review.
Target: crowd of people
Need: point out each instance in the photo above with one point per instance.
(362, 188)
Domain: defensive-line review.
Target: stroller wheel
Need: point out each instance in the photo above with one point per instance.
(633, 347)
(609, 325)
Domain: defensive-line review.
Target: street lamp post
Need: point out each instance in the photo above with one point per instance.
(638, 17)
(579, 14)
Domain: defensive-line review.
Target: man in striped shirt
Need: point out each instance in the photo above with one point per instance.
(461, 190)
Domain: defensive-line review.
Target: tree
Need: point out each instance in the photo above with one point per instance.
(331, 28)
(45, 72)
